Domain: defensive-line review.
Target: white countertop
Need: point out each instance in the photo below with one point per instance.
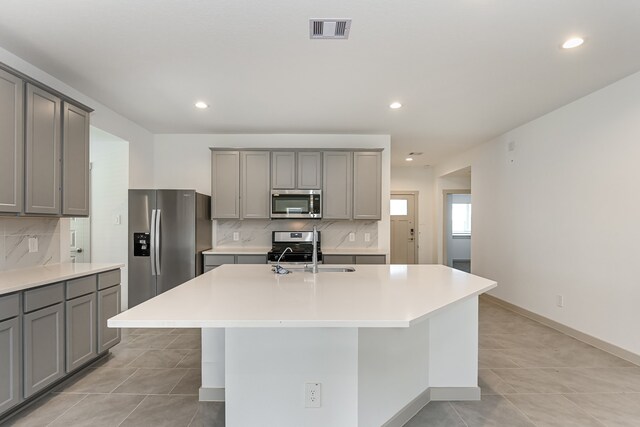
(252, 296)
(26, 278)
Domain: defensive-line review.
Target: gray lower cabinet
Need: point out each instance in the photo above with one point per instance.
(225, 184)
(10, 380)
(255, 196)
(42, 158)
(367, 185)
(337, 185)
(354, 259)
(212, 261)
(81, 336)
(108, 306)
(11, 143)
(75, 161)
(43, 348)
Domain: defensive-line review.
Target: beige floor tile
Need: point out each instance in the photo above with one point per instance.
(45, 411)
(209, 414)
(531, 380)
(619, 410)
(494, 359)
(97, 380)
(186, 342)
(189, 384)
(149, 341)
(119, 357)
(99, 410)
(491, 411)
(187, 331)
(535, 357)
(436, 414)
(549, 410)
(159, 358)
(582, 380)
(192, 360)
(163, 411)
(151, 381)
(490, 383)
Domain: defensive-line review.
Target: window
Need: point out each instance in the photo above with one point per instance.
(399, 207)
(461, 219)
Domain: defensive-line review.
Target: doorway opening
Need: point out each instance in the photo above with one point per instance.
(404, 227)
(457, 229)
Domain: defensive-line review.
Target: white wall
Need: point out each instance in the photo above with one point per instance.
(419, 179)
(558, 216)
(109, 198)
(184, 160)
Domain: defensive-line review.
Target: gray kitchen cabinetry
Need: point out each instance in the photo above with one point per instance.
(354, 259)
(108, 306)
(367, 185)
(283, 170)
(255, 195)
(75, 161)
(296, 170)
(42, 154)
(80, 331)
(43, 357)
(225, 184)
(309, 170)
(11, 143)
(212, 261)
(10, 351)
(337, 185)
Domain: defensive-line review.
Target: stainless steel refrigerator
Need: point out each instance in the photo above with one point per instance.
(168, 230)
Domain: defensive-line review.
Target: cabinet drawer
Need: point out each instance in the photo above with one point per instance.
(251, 259)
(338, 259)
(82, 286)
(219, 259)
(108, 279)
(43, 297)
(9, 306)
(371, 259)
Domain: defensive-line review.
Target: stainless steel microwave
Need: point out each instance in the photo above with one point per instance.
(296, 204)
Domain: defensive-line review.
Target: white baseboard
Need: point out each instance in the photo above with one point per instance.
(586, 338)
(211, 394)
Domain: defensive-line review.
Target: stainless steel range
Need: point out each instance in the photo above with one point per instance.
(300, 244)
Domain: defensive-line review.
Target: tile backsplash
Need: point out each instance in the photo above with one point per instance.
(334, 234)
(14, 242)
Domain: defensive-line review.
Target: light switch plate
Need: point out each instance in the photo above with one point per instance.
(367, 237)
(236, 236)
(33, 244)
(352, 237)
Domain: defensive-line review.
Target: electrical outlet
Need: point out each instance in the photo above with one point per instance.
(33, 244)
(560, 300)
(352, 237)
(236, 236)
(117, 220)
(312, 392)
(367, 237)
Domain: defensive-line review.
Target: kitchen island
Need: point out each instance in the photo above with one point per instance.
(381, 341)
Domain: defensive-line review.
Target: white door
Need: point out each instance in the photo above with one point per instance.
(404, 232)
(79, 242)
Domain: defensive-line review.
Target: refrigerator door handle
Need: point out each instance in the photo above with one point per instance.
(153, 242)
(157, 253)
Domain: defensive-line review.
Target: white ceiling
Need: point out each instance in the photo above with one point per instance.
(465, 70)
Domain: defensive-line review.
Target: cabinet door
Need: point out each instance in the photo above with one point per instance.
(367, 185)
(371, 259)
(10, 366)
(42, 175)
(338, 259)
(283, 170)
(108, 306)
(75, 161)
(225, 184)
(11, 142)
(256, 194)
(43, 357)
(81, 331)
(309, 170)
(337, 185)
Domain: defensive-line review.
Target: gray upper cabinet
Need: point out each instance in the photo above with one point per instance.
(108, 306)
(43, 357)
(75, 161)
(283, 170)
(42, 175)
(309, 170)
(10, 366)
(11, 143)
(337, 184)
(225, 184)
(255, 196)
(367, 185)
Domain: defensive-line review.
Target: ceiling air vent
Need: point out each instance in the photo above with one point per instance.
(329, 28)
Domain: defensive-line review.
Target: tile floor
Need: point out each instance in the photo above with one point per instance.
(530, 375)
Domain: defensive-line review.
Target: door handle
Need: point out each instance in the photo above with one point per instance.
(158, 212)
(153, 242)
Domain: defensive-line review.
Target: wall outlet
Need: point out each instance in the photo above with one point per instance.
(367, 237)
(33, 244)
(312, 393)
(117, 220)
(352, 237)
(236, 236)
(560, 300)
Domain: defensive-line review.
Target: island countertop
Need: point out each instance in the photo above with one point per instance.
(252, 296)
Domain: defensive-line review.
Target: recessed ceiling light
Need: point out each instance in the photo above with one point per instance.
(395, 105)
(409, 159)
(201, 105)
(572, 42)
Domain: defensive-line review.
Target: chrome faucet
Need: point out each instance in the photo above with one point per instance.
(314, 259)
